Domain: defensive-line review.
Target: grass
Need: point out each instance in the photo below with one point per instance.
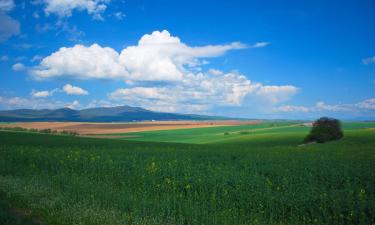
(228, 133)
(206, 135)
(257, 178)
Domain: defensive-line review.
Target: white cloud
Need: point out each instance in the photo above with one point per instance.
(65, 8)
(74, 105)
(276, 94)
(161, 57)
(321, 106)
(367, 104)
(291, 108)
(13, 102)
(43, 94)
(18, 67)
(81, 62)
(368, 60)
(6, 5)
(101, 103)
(120, 15)
(157, 57)
(318, 107)
(72, 90)
(260, 44)
(215, 72)
(40, 94)
(36, 58)
(199, 92)
(7, 103)
(68, 89)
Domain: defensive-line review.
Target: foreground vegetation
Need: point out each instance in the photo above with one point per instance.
(264, 178)
(44, 131)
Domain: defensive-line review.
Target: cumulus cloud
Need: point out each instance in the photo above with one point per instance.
(161, 57)
(33, 103)
(67, 88)
(44, 94)
(215, 72)
(72, 90)
(65, 8)
(81, 62)
(157, 57)
(200, 92)
(321, 106)
(41, 94)
(18, 67)
(368, 104)
(276, 94)
(13, 102)
(368, 60)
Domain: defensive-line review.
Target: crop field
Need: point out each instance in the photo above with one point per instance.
(227, 175)
(220, 134)
(86, 128)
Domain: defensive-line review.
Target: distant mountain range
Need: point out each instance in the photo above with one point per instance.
(104, 114)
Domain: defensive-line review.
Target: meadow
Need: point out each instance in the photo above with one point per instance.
(226, 134)
(243, 174)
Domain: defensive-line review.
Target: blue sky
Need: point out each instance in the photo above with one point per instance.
(268, 59)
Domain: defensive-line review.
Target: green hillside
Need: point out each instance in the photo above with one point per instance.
(231, 133)
(260, 178)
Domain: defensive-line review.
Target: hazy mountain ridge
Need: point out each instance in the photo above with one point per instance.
(101, 114)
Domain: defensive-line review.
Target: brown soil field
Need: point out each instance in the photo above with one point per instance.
(112, 128)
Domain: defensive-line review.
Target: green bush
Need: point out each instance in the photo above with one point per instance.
(69, 133)
(325, 129)
(46, 131)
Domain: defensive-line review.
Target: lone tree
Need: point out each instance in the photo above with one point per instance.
(325, 129)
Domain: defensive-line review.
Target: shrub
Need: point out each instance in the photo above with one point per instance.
(325, 129)
(69, 133)
(73, 133)
(46, 131)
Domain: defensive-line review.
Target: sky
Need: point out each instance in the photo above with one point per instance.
(248, 59)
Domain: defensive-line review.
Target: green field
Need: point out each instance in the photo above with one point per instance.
(230, 133)
(253, 175)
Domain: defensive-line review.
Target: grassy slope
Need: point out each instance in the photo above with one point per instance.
(259, 179)
(203, 135)
(236, 133)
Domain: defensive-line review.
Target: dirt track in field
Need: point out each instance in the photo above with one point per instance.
(112, 128)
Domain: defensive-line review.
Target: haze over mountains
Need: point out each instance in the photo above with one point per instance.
(104, 114)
